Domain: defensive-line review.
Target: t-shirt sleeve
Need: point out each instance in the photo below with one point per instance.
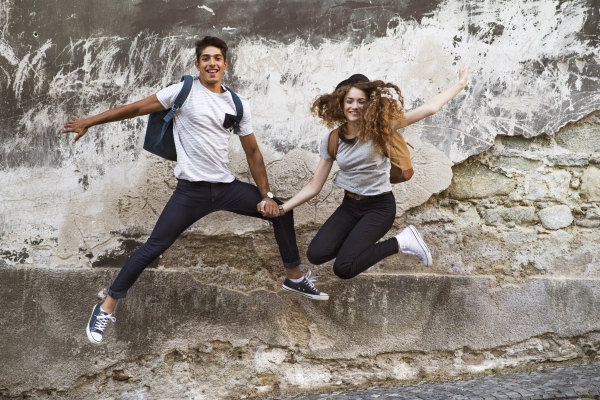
(323, 152)
(167, 96)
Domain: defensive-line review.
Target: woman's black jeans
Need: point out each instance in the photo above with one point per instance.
(190, 202)
(351, 233)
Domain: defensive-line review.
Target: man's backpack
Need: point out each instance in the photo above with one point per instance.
(159, 133)
(397, 152)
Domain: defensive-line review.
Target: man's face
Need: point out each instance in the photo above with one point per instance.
(211, 66)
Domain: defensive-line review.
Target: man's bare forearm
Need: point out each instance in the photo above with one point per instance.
(259, 171)
(142, 107)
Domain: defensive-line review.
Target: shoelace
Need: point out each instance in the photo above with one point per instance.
(310, 281)
(102, 320)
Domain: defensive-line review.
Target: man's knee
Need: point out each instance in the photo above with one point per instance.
(343, 270)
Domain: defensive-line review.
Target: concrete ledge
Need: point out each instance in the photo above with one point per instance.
(44, 312)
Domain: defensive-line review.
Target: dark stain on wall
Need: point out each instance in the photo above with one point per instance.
(279, 20)
(589, 32)
(15, 255)
(115, 258)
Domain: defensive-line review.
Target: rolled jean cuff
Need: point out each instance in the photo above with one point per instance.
(292, 264)
(117, 295)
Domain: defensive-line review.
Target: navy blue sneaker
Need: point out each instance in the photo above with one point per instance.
(305, 287)
(95, 328)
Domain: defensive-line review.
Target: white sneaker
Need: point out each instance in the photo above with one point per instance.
(412, 243)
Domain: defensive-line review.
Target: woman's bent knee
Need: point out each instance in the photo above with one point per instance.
(343, 271)
(315, 258)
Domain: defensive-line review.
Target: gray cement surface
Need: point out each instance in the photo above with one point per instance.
(575, 382)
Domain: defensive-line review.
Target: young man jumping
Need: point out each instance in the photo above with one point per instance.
(205, 183)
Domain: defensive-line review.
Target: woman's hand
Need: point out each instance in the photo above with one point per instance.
(463, 75)
(434, 104)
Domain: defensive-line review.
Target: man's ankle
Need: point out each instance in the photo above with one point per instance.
(294, 273)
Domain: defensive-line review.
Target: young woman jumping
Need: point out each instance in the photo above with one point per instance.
(367, 119)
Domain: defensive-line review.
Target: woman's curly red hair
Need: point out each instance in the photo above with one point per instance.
(377, 116)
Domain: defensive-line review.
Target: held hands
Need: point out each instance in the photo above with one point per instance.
(463, 75)
(79, 126)
(268, 208)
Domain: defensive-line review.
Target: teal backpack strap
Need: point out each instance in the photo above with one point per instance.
(239, 108)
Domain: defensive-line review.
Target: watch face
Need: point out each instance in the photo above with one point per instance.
(270, 195)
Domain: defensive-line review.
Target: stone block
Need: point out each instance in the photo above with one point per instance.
(165, 338)
(590, 184)
(556, 217)
(516, 142)
(568, 160)
(519, 215)
(580, 137)
(592, 213)
(476, 181)
(553, 186)
(587, 223)
(519, 163)
(575, 183)
(418, 216)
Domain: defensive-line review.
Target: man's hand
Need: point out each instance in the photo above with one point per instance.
(268, 208)
(79, 126)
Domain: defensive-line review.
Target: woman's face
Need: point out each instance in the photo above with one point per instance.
(355, 100)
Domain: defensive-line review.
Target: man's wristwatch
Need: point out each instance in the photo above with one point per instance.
(268, 194)
(281, 210)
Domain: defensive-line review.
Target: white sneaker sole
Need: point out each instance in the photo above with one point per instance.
(89, 334)
(417, 235)
(322, 296)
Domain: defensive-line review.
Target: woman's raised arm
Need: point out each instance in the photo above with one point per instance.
(434, 104)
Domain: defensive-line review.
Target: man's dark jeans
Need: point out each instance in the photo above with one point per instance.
(192, 201)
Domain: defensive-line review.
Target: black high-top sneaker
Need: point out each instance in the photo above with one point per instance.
(305, 287)
(97, 324)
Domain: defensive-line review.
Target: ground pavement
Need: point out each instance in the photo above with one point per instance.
(575, 382)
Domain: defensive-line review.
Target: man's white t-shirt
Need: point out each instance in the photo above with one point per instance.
(201, 140)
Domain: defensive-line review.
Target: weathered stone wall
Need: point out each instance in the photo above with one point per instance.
(506, 193)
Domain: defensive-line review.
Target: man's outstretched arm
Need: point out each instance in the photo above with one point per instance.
(142, 107)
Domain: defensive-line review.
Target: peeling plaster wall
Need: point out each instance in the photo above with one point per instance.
(505, 192)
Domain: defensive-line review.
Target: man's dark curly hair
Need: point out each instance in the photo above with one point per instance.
(210, 41)
(377, 115)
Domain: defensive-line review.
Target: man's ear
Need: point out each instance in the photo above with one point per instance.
(197, 65)
(226, 64)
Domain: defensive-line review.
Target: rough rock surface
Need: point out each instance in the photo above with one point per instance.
(556, 217)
